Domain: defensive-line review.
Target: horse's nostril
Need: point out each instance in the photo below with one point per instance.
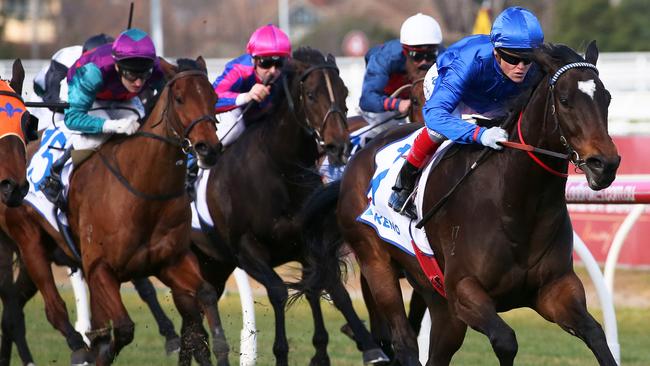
(7, 185)
(595, 163)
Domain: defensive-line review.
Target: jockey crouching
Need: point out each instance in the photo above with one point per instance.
(477, 74)
(107, 78)
(419, 42)
(249, 79)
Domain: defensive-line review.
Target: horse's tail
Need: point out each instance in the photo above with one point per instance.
(324, 265)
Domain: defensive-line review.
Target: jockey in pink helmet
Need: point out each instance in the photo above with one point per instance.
(243, 81)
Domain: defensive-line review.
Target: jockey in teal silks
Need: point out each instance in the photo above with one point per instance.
(105, 77)
(477, 74)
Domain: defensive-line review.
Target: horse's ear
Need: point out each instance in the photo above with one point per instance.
(168, 69)
(591, 55)
(17, 77)
(330, 59)
(201, 62)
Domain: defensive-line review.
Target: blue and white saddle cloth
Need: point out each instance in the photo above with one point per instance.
(56, 138)
(391, 226)
(200, 204)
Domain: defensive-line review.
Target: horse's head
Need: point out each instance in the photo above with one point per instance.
(17, 127)
(190, 100)
(578, 103)
(321, 94)
(415, 73)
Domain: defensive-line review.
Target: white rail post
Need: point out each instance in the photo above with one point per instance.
(617, 245)
(248, 337)
(82, 325)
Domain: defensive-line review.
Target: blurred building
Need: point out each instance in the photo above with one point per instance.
(29, 23)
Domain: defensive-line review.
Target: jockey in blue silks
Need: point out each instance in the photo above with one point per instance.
(420, 39)
(110, 75)
(477, 74)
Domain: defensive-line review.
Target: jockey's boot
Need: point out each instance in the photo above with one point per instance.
(192, 176)
(52, 185)
(424, 146)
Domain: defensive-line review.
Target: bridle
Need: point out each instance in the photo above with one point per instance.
(572, 155)
(177, 139)
(333, 109)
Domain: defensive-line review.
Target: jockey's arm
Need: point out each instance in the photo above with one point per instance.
(374, 82)
(453, 81)
(228, 88)
(82, 90)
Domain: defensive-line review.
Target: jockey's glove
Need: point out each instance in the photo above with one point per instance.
(492, 135)
(127, 126)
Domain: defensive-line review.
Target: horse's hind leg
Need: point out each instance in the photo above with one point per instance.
(165, 326)
(191, 295)
(563, 302)
(35, 260)
(107, 311)
(372, 354)
(379, 327)
(473, 306)
(320, 337)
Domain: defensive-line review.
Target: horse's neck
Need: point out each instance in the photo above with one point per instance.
(155, 157)
(287, 140)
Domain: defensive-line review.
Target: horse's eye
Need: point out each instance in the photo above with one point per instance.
(564, 101)
(311, 96)
(179, 99)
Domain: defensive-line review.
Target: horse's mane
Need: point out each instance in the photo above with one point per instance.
(312, 56)
(186, 64)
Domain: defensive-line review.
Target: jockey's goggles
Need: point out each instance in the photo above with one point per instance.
(420, 54)
(270, 61)
(132, 76)
(513, 59)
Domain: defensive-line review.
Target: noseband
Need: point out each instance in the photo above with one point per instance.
(333, 109)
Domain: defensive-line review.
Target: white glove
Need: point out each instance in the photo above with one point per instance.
(127, 126)
(492, 135)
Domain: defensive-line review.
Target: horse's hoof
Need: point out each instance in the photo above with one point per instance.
(223, 361)
(82, 357)
(375, 357)
(320, 361)
(172, 345)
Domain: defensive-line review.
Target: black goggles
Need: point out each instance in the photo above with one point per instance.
(419, 56)
(132, 76)
(269, 62)
(514, 59)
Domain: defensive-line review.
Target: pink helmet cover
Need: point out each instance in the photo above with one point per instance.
(269, 40)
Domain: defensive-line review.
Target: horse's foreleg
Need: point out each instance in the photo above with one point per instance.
(108, 311)
(475, 307)
(147, 293)
(563, 302)
(372, 354)
(35, 260)
(379, 328)
(252, 261)
(384, 285)
(191, 295)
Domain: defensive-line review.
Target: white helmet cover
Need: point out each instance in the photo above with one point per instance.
(420, 29)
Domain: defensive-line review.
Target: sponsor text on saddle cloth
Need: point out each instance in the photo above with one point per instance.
(56, 138)
(392, 227)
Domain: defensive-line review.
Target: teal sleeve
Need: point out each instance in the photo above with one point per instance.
(83, 88)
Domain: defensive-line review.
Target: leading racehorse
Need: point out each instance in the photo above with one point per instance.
(504, 236)
(255, 195)
(129, 217)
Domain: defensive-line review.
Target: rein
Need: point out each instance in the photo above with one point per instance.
(573, 155)
(333, 109)
(183, 142)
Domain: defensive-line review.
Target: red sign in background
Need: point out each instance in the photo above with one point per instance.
(597, 224)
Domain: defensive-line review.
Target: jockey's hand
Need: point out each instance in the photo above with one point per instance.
(492, 135)
(404, 106)
(259, 92)
(127, 126)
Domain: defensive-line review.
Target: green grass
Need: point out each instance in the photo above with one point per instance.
(540, 343)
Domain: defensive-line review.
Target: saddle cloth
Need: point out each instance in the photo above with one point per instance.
(200, 204)
(56, 138)
(392, 227)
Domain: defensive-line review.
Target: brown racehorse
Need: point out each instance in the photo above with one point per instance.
(130, 218)
(255, 196)
(14, 135)
(503, 237)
